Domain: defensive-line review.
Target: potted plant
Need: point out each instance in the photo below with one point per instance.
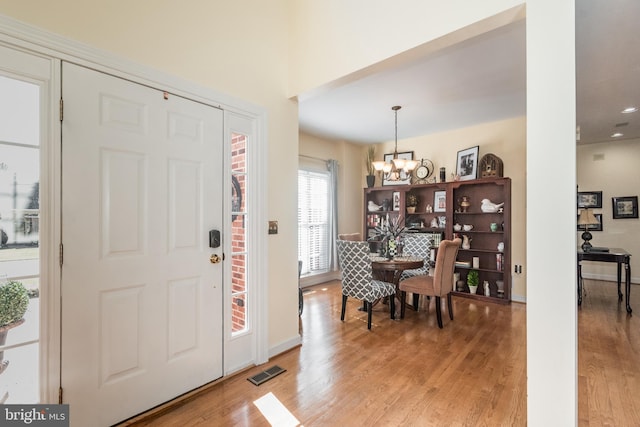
(472, 281)
(371, 171)
(14, 300)
(412, 202)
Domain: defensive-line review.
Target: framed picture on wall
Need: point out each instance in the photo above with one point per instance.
(590, 199)
(396, 200)
(625, 207)
(467, 164)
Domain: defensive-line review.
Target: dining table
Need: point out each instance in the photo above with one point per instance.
(390, 269)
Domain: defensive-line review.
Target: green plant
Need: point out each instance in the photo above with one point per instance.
(14, 300)
(472, 278)
(412, 199)
(369, 159)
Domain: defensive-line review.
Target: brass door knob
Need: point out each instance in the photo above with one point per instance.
(214, 259)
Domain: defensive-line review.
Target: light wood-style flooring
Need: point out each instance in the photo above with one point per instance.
(409, 372)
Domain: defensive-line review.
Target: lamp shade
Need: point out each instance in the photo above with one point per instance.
(587, 218)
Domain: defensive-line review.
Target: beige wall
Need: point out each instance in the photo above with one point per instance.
(611, 167)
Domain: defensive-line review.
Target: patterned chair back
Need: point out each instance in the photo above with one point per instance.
(356, 267)
(418, 245)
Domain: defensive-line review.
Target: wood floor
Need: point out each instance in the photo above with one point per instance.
(409, 372)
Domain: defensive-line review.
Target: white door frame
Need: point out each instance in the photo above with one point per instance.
(19, 36)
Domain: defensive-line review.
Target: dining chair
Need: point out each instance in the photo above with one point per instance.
(352, 237)
(358, 281)
(417, 245)
(438, 285)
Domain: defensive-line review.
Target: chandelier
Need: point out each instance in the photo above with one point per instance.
(398, 169)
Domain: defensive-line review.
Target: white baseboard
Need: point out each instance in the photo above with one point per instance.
(284, 346)
(319, 278)
(519, 298)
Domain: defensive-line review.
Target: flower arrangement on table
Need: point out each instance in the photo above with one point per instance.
(389, 234)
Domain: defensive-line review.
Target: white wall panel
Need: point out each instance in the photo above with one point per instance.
(185, 204)
(123, 201)
(183, 315)
(119, 324)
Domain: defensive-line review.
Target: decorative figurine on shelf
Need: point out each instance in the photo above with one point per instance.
(466, 242)
(428, 209)
(501, 246)
(487, 291)
(500, 286)
(464, 203)
(434, 223)
(373, 207)
(489, 207)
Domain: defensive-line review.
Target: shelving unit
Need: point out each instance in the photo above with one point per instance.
(483, 241)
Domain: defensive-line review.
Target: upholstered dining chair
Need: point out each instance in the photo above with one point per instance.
(357, 278)
(417, 245)
(438, 285)
(352, 237)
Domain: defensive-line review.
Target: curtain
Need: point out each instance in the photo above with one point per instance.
(332, 167)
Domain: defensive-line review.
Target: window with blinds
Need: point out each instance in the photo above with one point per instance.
(313, 221)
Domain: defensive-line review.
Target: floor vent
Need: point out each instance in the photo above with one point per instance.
(266, 375)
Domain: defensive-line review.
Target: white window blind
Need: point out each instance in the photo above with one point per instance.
(313, 221)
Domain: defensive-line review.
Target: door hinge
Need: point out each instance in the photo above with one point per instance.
(61, 255)
(61, 109)
(60, 396)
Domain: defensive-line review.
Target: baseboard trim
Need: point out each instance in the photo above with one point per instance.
(285, 346)
(319, 278)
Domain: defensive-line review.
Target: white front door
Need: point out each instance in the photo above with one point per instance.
(141, 301)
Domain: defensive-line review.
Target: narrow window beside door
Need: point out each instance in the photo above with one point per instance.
(239, 218)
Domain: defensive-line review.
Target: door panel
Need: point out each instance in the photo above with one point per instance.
(142, 304)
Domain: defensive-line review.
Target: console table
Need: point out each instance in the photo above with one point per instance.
(617, 255)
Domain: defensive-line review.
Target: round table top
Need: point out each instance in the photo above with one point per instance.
(396, 263)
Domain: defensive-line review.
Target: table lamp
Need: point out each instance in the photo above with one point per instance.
(586, 219)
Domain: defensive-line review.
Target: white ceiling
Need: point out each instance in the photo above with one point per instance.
(483, 79)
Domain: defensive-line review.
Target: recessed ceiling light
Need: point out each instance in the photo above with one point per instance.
(629, 110)
(617, 135)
